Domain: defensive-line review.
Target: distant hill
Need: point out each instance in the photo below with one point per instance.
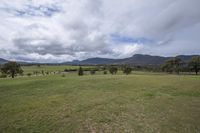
(137, 59)
(2, 61)
(99, 61)
(93, 61)
(186, 58)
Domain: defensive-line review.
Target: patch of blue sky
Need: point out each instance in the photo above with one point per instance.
(126, 39)
(29, 10)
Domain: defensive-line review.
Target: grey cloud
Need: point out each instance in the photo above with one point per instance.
(82, 29)
(180, 14)
(42, 47)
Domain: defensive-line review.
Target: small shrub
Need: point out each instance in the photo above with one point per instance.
(127, 70)
(63, 75)
(105, 72)
(70, 70)
(29, 74)
(43, 72)
(113, 70)
(80, 71)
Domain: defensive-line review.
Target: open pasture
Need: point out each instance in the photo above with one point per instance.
(48, 68)
(146, 103)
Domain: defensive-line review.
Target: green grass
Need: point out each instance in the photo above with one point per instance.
(48, 68)
(148, 103)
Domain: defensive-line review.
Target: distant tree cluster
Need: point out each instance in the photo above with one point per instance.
(127, 70)
(113, 70)
(11, 69)
(177, 65)
(173, 65)
(194, 64)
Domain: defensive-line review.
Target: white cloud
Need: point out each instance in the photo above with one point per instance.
(63, 30)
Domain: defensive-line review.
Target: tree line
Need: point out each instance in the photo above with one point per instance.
(174, 65)
(111, 69)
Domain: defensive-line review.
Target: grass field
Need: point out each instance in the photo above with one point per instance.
(48, 68)
(149, 103)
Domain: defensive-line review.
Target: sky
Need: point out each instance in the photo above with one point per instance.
(66, 30)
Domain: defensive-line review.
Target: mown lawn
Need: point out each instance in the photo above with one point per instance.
(100, 103)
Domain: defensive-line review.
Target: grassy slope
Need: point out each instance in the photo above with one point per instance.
(103, 103)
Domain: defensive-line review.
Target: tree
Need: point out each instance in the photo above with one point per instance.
(12, 69)
(43, 72)
(113, 70)
(172, 65)
(177, 62)
(80, 71)
(195, 64)
(105, 72)
(127, 70)
(167, 66)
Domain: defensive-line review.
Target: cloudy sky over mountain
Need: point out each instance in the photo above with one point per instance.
(65, 30)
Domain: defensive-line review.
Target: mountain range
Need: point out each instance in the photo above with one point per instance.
(137, 59)
(2, 61)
